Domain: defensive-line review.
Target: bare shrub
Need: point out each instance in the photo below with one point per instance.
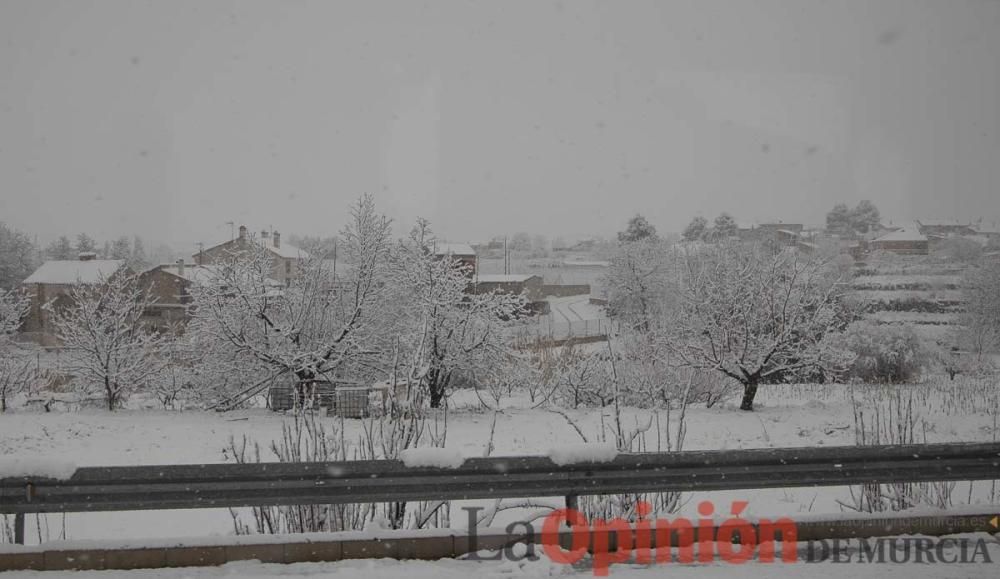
(884, 416)
(304, 439)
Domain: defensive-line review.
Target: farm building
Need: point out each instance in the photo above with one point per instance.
(944, 227)
(460, 252)
(906, 241)
(50, 285)
(529, 285)
(991, 231)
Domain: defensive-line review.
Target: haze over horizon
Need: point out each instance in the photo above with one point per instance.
(563, 118)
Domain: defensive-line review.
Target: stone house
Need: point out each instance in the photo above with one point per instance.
(906, 241)
(285, 258)
(49, 289)
(170, 286)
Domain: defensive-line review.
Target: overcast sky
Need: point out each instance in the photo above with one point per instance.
(170, 118)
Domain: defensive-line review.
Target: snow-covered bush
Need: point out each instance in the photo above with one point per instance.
(886, 353)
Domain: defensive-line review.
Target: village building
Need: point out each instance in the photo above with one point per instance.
(517, 284)
(460, 252)
(941, 228)
(285, 259)
(49, 289)
(170, 287)
(906, 241)
(990, 231)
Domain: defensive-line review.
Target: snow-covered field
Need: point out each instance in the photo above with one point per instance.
(786, 415)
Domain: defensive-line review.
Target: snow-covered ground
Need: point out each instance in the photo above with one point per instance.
(786, 415)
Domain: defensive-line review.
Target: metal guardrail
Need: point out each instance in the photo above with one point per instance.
(196, 486)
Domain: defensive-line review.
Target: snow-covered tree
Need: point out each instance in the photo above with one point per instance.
(754, 316)
(327, 321)
(637, 283)
(451, 330)
(638, 229)
(981, 321)
(106, 343)
(61, 248)
(137, 258)
(724, 226)
(838, 220)
(13, 308)
(695, 230)
(864, 217)
(18, 257)
(85, 244)
(120, 249)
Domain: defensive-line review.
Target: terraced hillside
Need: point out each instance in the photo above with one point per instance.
(916, 290)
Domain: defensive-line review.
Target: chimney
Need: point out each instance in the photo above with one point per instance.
(277, 240)
(87, 256)
(180, 267)
(243, 232)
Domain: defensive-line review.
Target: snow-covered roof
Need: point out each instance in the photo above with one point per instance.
(442, 248)
(905, 234)
(586, 263)
(942, 223)
(284, 250)
(988, 229)
(503, 277)
(74, 271)
(192, 272)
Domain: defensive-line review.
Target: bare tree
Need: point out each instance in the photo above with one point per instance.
(324, 321)
(638, 283)
(982, 317)
(752, 315)
(13, 308)
(14, 372)
(452, 329)
(107, 344)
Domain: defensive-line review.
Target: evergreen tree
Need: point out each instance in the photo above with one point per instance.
(138, 258)
(838, 220)
(696, 229)
(638, 229)
(725, 226)
(120, 249)
(61, 249)
(865, 217)
(85, 244)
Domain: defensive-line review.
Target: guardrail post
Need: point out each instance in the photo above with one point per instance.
(19, 528)
(572, 502)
